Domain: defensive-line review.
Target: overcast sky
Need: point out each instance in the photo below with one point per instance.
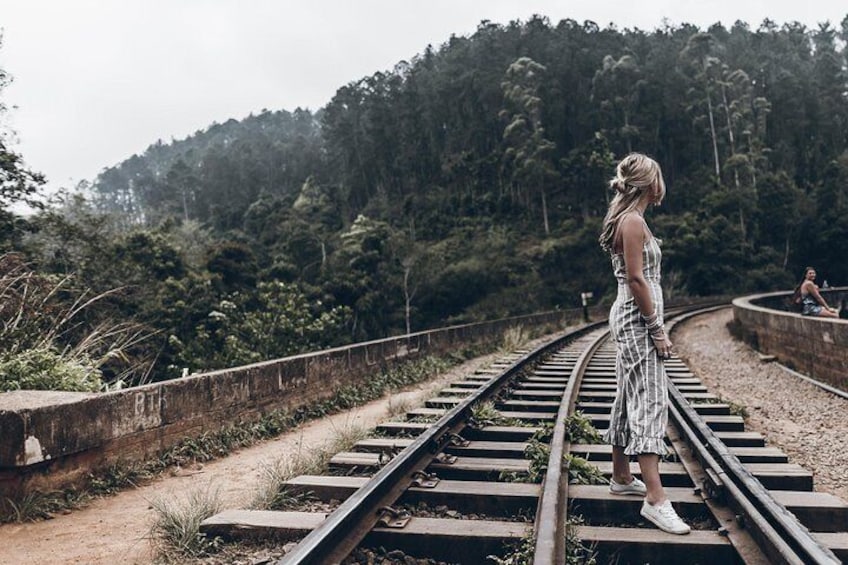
(97, 81)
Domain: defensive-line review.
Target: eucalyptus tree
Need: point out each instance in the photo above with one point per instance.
(616, 89)
(703, 67)
(528, 154)
(830, 81)
(780, 211)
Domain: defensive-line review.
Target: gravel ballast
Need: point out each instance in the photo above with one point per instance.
(806, 422)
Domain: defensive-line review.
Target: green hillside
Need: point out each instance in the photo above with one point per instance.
(467, 183)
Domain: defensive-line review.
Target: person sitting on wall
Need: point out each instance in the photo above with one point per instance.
(811, 301)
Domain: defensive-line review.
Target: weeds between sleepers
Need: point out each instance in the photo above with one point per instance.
(523, 551)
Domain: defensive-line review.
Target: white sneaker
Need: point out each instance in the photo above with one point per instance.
(664, 517)
(635, 486)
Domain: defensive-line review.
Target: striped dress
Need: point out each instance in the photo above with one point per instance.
(640, 411)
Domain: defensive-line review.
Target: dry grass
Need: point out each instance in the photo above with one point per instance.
(46, 326)
(401, 403)
(513, 339)
(305, 461)
(176, 528)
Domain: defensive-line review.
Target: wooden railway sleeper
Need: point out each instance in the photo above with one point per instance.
(393, 518)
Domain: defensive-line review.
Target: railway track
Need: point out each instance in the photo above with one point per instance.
(491, 464)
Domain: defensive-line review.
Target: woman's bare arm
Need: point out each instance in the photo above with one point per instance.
(632, 230)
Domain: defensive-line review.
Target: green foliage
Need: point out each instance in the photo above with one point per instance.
(523, 551)
(485, 414)
(579, 429)
(45, 369)
(538, 453)
(576, 553)
(233, 265)
(518, 553)
(35, 505)
(581, 472)
(275, 322)
(50, 339)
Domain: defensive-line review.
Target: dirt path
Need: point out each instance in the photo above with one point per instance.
(115, 529)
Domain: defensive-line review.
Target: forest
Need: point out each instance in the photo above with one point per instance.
(466, 183)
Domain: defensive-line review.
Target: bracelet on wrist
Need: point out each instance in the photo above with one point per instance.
(654, 325)
(650, 317)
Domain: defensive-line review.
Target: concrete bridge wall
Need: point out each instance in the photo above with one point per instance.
(51, 440)
(815, 346)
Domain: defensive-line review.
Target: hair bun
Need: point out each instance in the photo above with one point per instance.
(618, 185)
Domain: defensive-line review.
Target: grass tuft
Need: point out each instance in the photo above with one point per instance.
(514, 338)
(273, 493)
(176, 527)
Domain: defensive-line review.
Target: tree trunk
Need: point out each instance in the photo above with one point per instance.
(730, 136)
(185, 204)
(754, 177)
(713, 135)
(729, 123)
(786, 253)
(407, 296)
(545, 213)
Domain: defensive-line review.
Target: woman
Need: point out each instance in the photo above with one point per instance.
(640, 411)
(811, 301)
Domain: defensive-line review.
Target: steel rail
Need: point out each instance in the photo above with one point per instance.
(552, 511)
(784, 539)
(769, 518)
(347, 526)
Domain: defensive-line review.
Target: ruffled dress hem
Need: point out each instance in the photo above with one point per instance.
(636, 445)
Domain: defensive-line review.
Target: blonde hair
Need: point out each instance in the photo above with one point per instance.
(635, 175)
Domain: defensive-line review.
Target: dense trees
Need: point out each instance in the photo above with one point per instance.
(469, 182)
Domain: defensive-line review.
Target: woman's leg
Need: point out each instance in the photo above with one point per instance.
(620, 466)
(649, 464)
(825, 313)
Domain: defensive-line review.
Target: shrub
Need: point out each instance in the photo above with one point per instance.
(45, 369)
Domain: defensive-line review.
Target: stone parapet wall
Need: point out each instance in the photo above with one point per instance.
(53, 439)
(815, 346)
